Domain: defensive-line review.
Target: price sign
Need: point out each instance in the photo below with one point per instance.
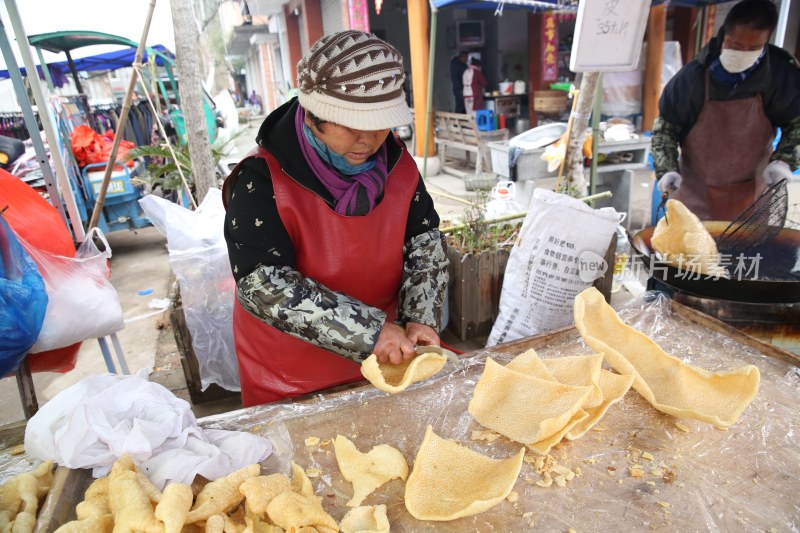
(608, 35)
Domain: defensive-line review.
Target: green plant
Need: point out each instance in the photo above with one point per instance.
(476, 234)
(162, 169)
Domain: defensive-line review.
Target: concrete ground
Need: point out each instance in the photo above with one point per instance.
(140, 263)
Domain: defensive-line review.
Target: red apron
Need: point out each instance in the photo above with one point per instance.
(361, 256)
(724, 156)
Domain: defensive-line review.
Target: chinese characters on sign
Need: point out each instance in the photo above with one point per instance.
(359, 15)
(549, 47)
(610, 22)
(550, 284)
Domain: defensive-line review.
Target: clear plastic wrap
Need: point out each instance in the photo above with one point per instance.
(199, 258)
(743, 479)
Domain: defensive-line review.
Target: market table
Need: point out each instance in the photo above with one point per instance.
(695, 477)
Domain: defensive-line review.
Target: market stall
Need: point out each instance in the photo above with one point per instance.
(638, 469)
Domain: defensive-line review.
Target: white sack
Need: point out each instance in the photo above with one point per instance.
(561, 242)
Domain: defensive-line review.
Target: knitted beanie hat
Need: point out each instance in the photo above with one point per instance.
(354, 79)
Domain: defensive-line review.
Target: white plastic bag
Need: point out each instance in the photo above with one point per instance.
(93, 422)
(198, 256)
(559, 253)
(82, 303)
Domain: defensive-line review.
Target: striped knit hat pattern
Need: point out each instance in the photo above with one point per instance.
(354, 79)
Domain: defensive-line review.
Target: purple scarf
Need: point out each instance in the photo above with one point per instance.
(352, 195)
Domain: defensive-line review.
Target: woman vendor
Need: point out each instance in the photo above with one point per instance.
(332, 237)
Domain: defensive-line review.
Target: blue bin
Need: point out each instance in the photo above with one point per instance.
(484, 118)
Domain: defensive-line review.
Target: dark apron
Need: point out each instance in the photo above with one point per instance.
(724, 156)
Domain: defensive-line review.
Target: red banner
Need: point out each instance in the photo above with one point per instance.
(549, 47)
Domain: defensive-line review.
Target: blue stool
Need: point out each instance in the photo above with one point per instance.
(484, 118)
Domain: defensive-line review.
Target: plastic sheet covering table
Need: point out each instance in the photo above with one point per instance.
(743, 479)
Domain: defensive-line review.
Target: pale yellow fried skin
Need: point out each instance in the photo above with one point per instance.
(98, 487)
(174, 506)
(44, 477)
(450, 481)
(300, 481)
(222, 495)
(95, 501)
(365, 519)
(232, 526)
(92, 524)
(215, 524)
(24, 522)
(368, 471)
(153, 494)
(21, 494)
(397, 378)
(293, 510)
(254, 525)
(259, 491)
(128, 501)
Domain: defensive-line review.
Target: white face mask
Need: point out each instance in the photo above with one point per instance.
(735, 61)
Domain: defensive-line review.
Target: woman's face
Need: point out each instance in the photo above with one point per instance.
(356, 146)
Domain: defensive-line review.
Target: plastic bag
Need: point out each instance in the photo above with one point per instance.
(23, 300)
(93, 422)
(559, 253)
(83, 303)
(198, 256)
(35, 221)
(91, 147)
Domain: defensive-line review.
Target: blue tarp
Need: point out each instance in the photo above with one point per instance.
(107, 61)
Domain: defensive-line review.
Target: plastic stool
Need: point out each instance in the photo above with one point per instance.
(484, 118)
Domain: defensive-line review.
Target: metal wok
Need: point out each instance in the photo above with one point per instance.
(777, 280)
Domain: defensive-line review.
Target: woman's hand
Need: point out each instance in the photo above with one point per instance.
(422, 334)
(393, 346)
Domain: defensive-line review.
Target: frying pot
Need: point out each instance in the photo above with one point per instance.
(778, 278)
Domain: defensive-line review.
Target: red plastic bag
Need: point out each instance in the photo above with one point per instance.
(91, 147)
(36, 221)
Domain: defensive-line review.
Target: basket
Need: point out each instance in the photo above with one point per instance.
(480, 181)
(549, 102)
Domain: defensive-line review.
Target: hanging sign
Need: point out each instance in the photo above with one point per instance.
(608, 35)
(549, 47)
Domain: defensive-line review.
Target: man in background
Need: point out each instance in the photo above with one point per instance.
(722, 110)
(457, 67)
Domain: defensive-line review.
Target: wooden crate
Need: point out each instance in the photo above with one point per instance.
(189, 363)
(474, 293)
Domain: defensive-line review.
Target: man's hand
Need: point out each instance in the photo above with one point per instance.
(776, 171)
(670, 180)
(393, 346)
(421, 334)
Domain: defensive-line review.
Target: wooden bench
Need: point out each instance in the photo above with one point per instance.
(456, 130)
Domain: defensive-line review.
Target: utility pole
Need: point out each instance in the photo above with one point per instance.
(190, 88)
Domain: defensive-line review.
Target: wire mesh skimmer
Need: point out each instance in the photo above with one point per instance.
(758, 224)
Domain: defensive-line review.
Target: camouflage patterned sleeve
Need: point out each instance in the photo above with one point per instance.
(424, 283)
(664, 146)
(788, 149)
(306, 309)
